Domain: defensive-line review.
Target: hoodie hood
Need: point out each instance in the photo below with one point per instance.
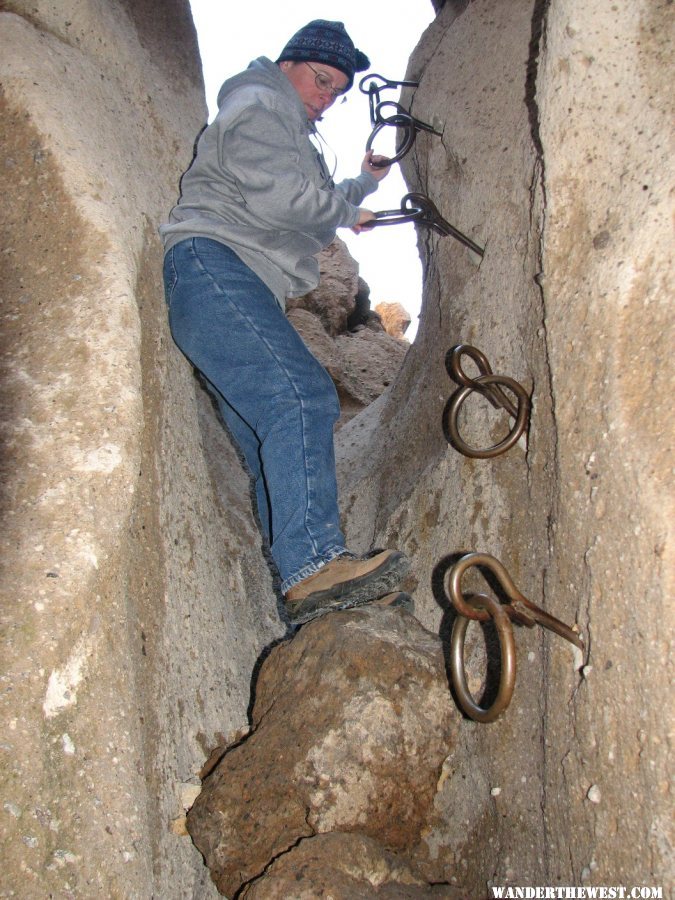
(263, 73)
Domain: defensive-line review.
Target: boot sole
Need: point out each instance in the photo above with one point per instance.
(349, 594)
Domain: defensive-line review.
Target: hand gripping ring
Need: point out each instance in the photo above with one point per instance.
(401, 150)
(507, 646)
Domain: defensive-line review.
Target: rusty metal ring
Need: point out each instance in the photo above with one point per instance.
(493, 565)
(399, 117)
(394, 217)
(453, 363)
(512, 437)
(507, 647)
(408, 141)
(483, 607)
(518, 609)
(457, 572)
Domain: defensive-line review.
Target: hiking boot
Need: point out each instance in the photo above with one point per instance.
(345, 583)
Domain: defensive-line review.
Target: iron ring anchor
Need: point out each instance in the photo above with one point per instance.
(419, 208)
(404, 147)
(481, 607)
(399, 119)
(395, 216)
(374, 89)
(489, 385)
(434, 220)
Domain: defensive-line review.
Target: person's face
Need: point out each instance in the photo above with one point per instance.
(303, 77)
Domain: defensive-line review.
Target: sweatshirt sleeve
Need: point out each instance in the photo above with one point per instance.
(356, 189)
(260, 153)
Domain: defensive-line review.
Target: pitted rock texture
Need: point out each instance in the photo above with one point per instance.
(556, 155)
(345, 335)
(362, 364)
(130, 557)
(335, 297)
(351, 724)
(343, 867)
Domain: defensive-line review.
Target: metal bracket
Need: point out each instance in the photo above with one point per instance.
(420, 209)
(401, 118)
(481, 608)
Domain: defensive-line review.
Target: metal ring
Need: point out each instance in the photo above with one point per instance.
(453, 363)
(386, 83)
(507, 648)
(401, 151)
(399, 117)
(486, 561)
(512, 437)
(394, 217)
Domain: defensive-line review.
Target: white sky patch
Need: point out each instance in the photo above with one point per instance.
(231, 36)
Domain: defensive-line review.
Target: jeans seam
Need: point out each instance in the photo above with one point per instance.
(174, 276)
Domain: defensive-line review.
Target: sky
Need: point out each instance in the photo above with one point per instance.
(387, 32)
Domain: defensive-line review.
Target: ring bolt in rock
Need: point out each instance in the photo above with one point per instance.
(420, 209)
(490, 386)
(481, 608)
(400, 118)
(377, 84)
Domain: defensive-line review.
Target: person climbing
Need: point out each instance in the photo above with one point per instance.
(256, 205)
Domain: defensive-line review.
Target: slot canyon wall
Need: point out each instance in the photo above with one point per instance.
(556, 155)
(135, 597)
(136, 602)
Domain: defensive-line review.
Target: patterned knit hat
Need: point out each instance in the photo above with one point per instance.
(328, 43)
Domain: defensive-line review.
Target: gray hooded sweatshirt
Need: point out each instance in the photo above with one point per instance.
(258, 185)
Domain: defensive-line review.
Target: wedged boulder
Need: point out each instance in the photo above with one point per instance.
(351, 724)
(362, 364)
(343, 867)
(334, 299)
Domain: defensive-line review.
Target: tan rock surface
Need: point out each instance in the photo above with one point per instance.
(361, 358)
(362, 364)
(121, 581)
(395, 319)
(344, 867)
(352, 721)
(557, 155)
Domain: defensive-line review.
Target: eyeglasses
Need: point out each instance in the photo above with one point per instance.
(324, 83)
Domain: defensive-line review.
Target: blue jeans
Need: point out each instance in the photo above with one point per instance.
(276, 399)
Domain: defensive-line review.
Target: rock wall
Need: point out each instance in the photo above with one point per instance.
(136, 601)
(555, 156)
(135, 597)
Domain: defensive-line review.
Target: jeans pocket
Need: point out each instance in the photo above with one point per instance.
(170, 277)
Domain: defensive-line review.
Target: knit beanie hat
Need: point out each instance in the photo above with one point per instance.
(328, 43)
